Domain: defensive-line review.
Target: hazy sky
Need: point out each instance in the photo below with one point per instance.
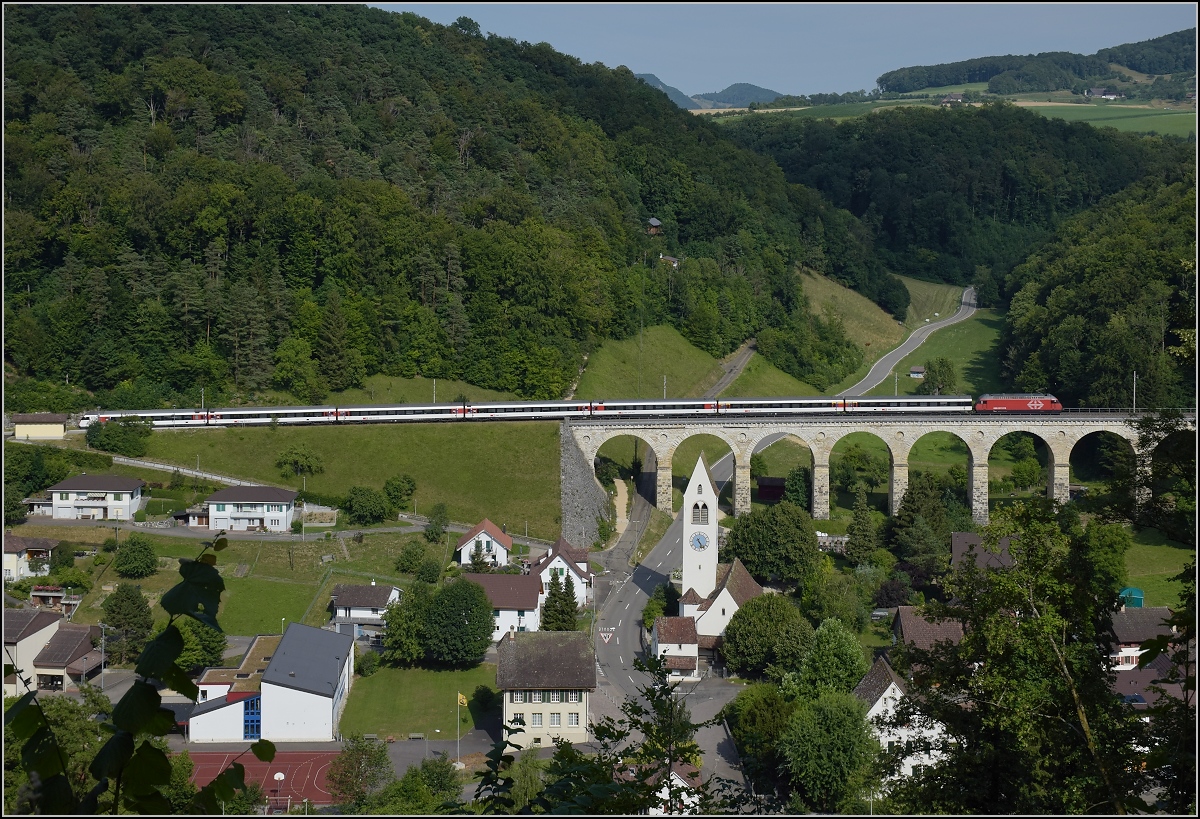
(804, 49)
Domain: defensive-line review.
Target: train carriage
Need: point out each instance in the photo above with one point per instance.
(1019, 402)
(908, 403)
(653, 407)
(528, 410)
(780, 406)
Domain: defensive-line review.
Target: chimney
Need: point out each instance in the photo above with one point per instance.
(512, 633)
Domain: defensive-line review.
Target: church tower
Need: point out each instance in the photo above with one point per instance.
(700, 532)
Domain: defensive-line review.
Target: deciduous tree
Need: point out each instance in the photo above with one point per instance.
(360, 769)
(941, 378)
(834, 665)
(459, 624)
(862, 541)
(758, 630)
(777, 542)
(136, 558)
(827, 750)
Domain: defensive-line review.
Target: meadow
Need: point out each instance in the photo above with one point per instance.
(1124, 117)
(635, 368)
(868, 325)
(1152, 562)
(974, 347)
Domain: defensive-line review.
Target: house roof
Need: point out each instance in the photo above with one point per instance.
(492, 529)
(579, 554)
(691, 597)
(710, 641)
(509, 591)
(678, 663)
(248, 674)
(15, 544)
(21, 623)
(570, 556)
(69, 643)
(687, 772)
(252, 494)
(1139, 625)
(963, 544)
(39, 418)
(546, 659)
(871, 687)
(361, 595)
(921, 632)
(309, 659)
(97, 483)
(733, 576)
(681, 630)
(654, 222)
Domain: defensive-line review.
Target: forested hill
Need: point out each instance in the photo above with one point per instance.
(1051, 71)
(236, 197)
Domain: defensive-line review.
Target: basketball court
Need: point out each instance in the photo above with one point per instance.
(303, 774)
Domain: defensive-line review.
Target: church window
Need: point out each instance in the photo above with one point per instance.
(699, 489)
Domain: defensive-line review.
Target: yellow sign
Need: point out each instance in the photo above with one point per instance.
(461, 699)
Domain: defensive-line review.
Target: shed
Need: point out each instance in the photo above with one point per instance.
(1132, 598)
(916, 372)
(655, 227)
(771, 489)
(35, 426)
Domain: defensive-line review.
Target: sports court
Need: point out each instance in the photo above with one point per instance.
(303, 774)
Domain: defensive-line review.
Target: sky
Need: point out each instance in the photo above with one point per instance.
(802, 48)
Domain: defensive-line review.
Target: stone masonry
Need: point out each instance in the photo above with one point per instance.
(583, 498)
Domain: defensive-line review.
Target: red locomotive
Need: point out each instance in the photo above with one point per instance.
(1018, 403)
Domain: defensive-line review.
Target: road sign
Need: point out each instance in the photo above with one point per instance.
(606, 636)
(1036, 404)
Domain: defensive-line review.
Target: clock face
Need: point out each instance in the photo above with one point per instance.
(699, 541)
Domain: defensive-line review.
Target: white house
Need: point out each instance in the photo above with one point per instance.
(21, 554)
(563, 559)
(68, 657)
(1132, 627)
(96, 497)
(243, 508)
(358, 610)
(675, 639)
(677, 796)
(516, 601)
(287, 689)
(545, 680)
(489, 540)
(26, 632)
(881, 689)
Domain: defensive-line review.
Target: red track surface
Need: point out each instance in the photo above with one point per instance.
(304, 773)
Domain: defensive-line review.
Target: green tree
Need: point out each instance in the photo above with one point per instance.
(14, 509)
(404, 627)
(758, 465)
(758, 716)
(127, 436)
(203, 645)
(863, 540)
(436, 527)
(364, 506)
(296, 371)
(430, 570)
(180, 791)
(479, 563)
(827, 751)
(527, 773)
(399, 490)
(341, 364)
(558, 612)
(941, 378)
(777, 542)
(299, 460)
(797, 488)
(360, 769)
(759, 630)
(136, 558)
(459, 624)
(410, 557)
(834, 665)
(1026, 473)
(127, 611)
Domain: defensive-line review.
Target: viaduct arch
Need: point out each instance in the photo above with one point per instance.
(1060, 433)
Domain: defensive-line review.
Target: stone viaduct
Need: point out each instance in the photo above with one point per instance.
(980, 433)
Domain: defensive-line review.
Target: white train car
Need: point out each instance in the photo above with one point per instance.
(528, 410)
(780, 406)
(400, 412)
(654, 407)
(909, 403)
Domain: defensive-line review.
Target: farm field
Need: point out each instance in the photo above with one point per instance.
(634, 369)
(1151, 563)
(504, 471)
(402, 701)
(1124, 117)
(761, 378)
(974, 347)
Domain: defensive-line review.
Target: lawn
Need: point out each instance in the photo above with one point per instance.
(1124, 117)
(256, 605)
(402, 701)
(508, 472)
(635, 367)
(761, 379)
(868, 325)
(974, 347)
(1151, 563)
(386, 389)
(959, 88)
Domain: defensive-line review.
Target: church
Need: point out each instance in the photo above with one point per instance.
(712, 591)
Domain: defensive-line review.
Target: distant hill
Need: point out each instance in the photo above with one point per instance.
(1056, 70)
(674, 94)
(738, 95)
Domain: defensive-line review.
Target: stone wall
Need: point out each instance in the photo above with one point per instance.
(583, 498)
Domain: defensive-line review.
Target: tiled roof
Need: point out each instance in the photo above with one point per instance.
(15, 544)
(252, 494)
(361, 596)
(921, 632)
(691, 597)
(680, 663)
(579, 554)
(69, 643)
(546, 659)
(876, 682)
(509, 591)
(710, 641)
(39, 418)
(485, 526)
(20, 623)
(733, 576)
(570, 556)
(97, 483)
(969, 543)
(679, 630)
(1139, 625)
(309, 659)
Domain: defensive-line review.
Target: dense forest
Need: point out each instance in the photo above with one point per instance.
(237, 197)
(1052, 71)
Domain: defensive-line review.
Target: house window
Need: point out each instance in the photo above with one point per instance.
(573, 720)
(516, 717)
(495, 612)
(520, 628)
(555, 696)
(537, 721)
(572, 696)
(64, 496)
(118, 496)
(376, 611)
(252, 718)
(516, 696)
(203, 696)
(556, 720)
(220, 507)
(700, 514)
(274, 522)
(521, 612)
(722, 612)
(699, 489)
(537, 696)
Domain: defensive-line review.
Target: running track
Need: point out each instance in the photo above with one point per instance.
(304, 772)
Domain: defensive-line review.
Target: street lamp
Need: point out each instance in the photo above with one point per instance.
(279, 777)
(282, 620)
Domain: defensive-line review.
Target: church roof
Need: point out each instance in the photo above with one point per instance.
(733, 576)
(690, 597)
(702, 470)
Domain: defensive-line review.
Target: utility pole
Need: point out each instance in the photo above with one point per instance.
(895, 384)
(202, 399)
(1135, 390)
(435, 390)
(664, 387)
(103, 653)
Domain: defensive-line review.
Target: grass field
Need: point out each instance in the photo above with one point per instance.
(868, 325)
(928, 300)
(942, 90)
(835, 112)
(762, 378)
(386, 389)
(506, 472)
(634, 368)
(974, 347)
(1124, 117)
(1152, 562)
(402, 701)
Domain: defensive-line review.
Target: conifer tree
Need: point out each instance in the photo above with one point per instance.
(555, 612)
(862, 542)
(570, 607)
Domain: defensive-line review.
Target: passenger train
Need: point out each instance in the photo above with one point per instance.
(580, 410)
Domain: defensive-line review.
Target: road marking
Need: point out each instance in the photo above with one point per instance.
(631, 680)
(627, 604)
(619, 622)
(622, 659)
(618, 641)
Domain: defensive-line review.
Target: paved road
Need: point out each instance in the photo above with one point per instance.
(884, 366)
(733, 368)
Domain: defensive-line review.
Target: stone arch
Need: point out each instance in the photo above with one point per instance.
(896, 444)
(929, 449)
(1089, 460)
(773, 439)
(730, 441)
(1056, 446)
